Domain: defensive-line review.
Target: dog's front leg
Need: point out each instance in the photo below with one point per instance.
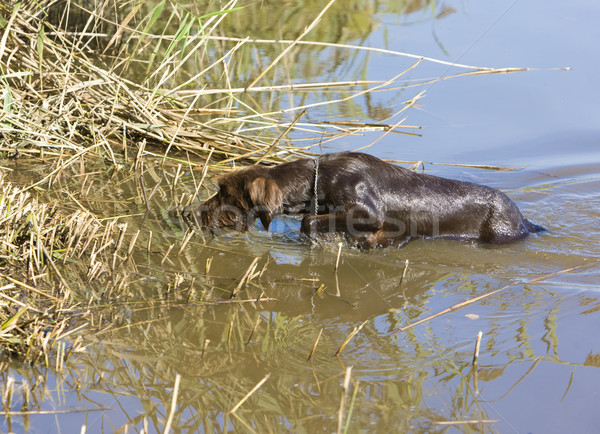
(321, 224)
(359, 226)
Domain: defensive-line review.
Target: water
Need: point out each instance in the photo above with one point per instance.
(538, 364)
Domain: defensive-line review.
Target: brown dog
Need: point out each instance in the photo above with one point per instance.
(373, 202)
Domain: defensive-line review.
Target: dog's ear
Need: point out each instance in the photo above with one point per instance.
(266, 194)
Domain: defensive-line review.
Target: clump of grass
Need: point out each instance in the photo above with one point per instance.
(59, 99)
(35, 299)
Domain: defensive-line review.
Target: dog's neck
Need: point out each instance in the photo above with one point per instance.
(299, 182)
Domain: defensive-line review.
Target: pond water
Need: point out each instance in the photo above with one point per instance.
(538, 369)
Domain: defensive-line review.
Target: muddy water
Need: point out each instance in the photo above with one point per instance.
(538, 368)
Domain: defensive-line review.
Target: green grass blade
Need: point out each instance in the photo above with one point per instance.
(12, 321)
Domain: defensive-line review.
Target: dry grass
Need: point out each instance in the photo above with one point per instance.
(36, 308)
(57, 98)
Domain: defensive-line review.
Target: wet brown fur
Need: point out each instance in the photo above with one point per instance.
(374, 202)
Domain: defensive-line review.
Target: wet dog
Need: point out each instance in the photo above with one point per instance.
(373, 202)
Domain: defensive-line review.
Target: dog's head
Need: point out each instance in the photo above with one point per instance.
(243, 196)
